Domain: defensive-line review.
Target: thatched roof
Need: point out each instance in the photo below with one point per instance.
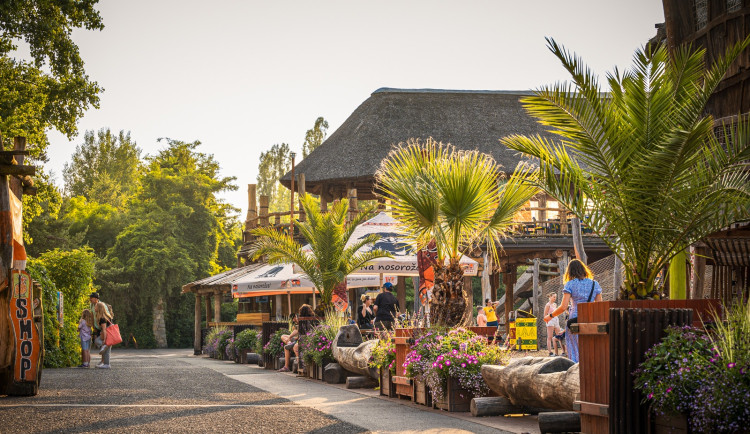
(466, 119)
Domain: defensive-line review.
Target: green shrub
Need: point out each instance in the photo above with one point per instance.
(247, 339)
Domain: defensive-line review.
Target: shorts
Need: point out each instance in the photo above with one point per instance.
(85, 345)
(554, 322)
(492, 324)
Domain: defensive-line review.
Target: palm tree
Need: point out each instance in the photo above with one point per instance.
(455, 199)
(329, 259)
(642, 164)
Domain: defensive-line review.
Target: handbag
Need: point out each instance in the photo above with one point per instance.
(575, 320)
(113, 335)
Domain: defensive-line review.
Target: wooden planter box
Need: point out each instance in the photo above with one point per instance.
(675, 423)
(613, 338)
(386, 383)
(422, 393)
(248, 356)
(310, 370)
(456, 399)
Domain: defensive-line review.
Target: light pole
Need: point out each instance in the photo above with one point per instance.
(291, 204)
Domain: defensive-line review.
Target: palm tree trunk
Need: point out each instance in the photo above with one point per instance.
(159, 326)
(449, 300)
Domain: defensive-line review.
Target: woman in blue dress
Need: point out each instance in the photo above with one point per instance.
(579, 288)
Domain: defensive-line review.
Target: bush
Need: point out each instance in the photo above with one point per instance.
(247, 340)
(275, 347)
(384, 354)
(316, 346)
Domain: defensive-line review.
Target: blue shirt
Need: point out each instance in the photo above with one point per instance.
(579, 290)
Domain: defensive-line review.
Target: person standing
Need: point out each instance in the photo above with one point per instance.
(385, 308)
(489, 312)
(580, 287)
(84, 333)
(552, 324)
(103, 319)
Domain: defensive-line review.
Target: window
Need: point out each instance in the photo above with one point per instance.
(700, 13)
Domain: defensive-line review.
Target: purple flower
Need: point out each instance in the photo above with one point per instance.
(731, 365)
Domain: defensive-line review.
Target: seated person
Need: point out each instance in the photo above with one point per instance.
(365, 315)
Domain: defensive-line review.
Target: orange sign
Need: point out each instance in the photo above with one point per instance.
(27, 346)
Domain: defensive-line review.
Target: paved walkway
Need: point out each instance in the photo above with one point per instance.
(173, 391)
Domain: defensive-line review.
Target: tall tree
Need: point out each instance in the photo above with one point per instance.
(274, 164)
(52, 90)
(315, 136)
(642, 164)
(177, 230)
(106, 168)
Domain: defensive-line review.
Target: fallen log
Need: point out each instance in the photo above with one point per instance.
(559, 421)
(543, 382)
(360, 382)
(494, 406)
(352, 353)
(333, 373)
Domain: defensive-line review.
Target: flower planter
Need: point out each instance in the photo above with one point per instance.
(613, 338)
(248, 356)
(673, 423)
(310, 370)
(422, 393)
(456, 399)
(386, 383)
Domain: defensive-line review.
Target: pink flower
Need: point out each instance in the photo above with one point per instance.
(731, 365)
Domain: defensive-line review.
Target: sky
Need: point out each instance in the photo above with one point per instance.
(241, 76)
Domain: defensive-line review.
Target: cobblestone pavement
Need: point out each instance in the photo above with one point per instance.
(157, 391)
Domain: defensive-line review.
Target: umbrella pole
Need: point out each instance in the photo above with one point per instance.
(381, 280)
(314, 299)
(289, 301)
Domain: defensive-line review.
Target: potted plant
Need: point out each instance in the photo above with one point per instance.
(212, 341)
(316, 348)
(275, 348)
(699, 381)
(246, 342)
(224, 338)
(383, 358)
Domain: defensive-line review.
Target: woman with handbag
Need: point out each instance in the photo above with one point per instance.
(580, 287)
(104, 320)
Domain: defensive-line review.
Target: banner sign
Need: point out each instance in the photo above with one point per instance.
(340, 297)
(27, 345)
(426, 258)
(526, 334)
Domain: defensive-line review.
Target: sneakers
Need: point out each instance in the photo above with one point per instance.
(103, 366)
(82, 365)
(102, 349)
(551, 354)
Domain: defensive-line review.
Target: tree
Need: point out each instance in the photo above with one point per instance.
(106, 168)
(177, 230)
(329, 260)
(453, 198)
(32, 99)
(642, 164)
(274, 164)
(315, 136)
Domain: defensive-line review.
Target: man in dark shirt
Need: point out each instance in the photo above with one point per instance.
(385, 308)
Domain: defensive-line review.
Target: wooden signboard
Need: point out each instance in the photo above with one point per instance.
(526, 338)
(27, 342)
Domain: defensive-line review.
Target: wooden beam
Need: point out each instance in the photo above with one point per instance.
(17, 169)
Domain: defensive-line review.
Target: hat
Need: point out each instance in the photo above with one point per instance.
(94, 295)
(388, 285)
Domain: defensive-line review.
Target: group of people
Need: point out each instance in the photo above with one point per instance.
(93, 327)
(580, 287)
(379, 313)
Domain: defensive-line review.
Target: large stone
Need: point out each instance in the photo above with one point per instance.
(543, 382)
(352, 353)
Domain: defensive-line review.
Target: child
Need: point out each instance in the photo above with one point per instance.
(560, 338)
(84, 332)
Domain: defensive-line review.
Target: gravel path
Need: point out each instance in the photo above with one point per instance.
(156, 391)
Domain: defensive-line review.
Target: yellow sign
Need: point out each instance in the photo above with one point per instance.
(526, 337)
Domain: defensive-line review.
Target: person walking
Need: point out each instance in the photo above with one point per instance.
(580, 287)
(385, 308)
(103, 319)
(489, 312)
(552, 324)
(84, 333)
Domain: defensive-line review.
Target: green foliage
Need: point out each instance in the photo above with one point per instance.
(316, 346)
(315, 136)
(33, 100)
(274, 164)
(642, 165)
(329, 260)
(105, 169)
(384, 353)
(70, 272)
(98, 223)
(247, 339)
(275, 347)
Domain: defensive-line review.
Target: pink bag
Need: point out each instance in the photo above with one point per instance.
(113, 335)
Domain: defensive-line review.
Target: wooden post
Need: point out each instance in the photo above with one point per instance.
(536, 288)
(509, 278)
(217, 306)
(578, 240)
(197, 337)
(279, 312)
(617, 277)
(289, 302)
(542, 211)
(301, 189)
(263, 220)
(469, 289)
(352, 203)
(699, 272)
(323, 198)
(401, 288)
(291, 203)
(209, 312)
(494, 285)
(415, 284)
(563, 219)
(252, 208)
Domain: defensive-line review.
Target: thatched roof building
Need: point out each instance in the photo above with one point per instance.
(467, 119)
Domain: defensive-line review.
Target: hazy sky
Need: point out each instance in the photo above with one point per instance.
(241, 76)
